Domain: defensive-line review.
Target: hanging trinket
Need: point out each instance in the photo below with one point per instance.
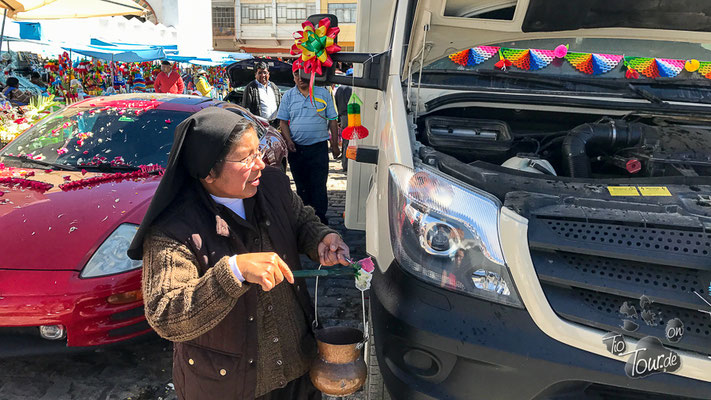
(354, 130)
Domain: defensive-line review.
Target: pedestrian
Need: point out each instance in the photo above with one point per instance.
(342, 96)
(139, 84)
(305, 125)
(168, 80)
(261, 96)
(14, 94)
(201, 83)
(220, 236)
(36, 79)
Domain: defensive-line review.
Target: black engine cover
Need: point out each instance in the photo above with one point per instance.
(673, 151)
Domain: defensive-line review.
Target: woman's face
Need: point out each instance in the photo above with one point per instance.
(237, 180)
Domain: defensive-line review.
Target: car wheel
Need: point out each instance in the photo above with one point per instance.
(374, 385)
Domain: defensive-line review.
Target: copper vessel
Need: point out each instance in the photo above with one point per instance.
(339, 369)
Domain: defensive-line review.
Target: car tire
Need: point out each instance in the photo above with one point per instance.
(374, 385)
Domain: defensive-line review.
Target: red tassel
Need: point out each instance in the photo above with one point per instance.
(355, 132)
(311, 87)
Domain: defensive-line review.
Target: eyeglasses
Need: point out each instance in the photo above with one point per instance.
(250, 160)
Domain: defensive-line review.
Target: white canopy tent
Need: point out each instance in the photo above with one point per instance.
(108, 29)
(32, 10)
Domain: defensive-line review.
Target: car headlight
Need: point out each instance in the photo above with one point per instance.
(111, 258)
(448, 235)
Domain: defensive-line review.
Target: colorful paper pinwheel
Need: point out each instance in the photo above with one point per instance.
(474, 56)
(593, 64)
(528, 59)
(655, 67)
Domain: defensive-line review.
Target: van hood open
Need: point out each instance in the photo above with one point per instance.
(454, 25)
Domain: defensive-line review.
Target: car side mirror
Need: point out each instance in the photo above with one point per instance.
(375, 66)
(262, 120)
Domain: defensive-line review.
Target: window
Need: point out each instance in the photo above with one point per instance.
(294, 13)
(256, 13)
(346, 13)
(223, 21)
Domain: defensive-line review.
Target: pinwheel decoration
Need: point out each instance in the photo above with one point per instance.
(528, 59)
(315, 46)
(705, 69)
(474, 56)
(593, 64)
(655, 67)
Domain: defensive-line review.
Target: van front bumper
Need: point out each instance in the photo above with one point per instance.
(436, 344)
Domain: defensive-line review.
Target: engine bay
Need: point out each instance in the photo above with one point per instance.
(585, 146)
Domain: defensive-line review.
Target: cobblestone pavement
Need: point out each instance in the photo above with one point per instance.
(142, 371)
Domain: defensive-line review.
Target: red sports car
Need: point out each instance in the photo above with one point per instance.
(73, 190)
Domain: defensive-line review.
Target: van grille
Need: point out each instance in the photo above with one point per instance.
(588, 270)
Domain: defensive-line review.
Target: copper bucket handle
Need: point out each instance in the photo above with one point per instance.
(315, 323)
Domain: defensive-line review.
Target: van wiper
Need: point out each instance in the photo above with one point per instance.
(64, 167)
(568, 82)
(563, 84)
(645, 94)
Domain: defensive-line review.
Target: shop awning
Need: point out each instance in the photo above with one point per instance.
(23, 10)
(124, 53)
(23, 5)
(167, 48)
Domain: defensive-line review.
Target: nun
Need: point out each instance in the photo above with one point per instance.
(218, 243)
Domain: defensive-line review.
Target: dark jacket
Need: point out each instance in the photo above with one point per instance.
(343, 94)
(230, 348)
(250, 98)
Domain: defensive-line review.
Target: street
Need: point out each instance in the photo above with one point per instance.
(142, 370)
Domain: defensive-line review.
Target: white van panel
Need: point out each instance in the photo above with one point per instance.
(372, 36)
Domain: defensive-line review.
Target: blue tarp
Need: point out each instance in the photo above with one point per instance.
(167, 48)
(30, 30)
(123, 53)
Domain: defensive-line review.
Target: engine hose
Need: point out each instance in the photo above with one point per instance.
(604, 136)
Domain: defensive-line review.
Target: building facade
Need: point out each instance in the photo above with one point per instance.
(266, 27)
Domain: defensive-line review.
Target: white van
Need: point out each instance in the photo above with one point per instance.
(536, 191)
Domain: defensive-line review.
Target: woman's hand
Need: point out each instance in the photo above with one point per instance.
(332, 250)
(264, 269)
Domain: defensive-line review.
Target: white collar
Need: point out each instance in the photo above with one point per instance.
(226, 201)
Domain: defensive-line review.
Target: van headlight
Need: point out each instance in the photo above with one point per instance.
(111, 258)
(447, 234)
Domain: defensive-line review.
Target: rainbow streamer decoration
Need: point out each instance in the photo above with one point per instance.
(529, 59)
(474, 56)
(705, 69)
(655, 67)
(587, 63)
(593, 64)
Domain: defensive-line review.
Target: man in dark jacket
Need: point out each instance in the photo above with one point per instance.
(262, 97)
(342, 96)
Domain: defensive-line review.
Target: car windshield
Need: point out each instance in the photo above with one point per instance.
(82, 137)
(670, 70)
